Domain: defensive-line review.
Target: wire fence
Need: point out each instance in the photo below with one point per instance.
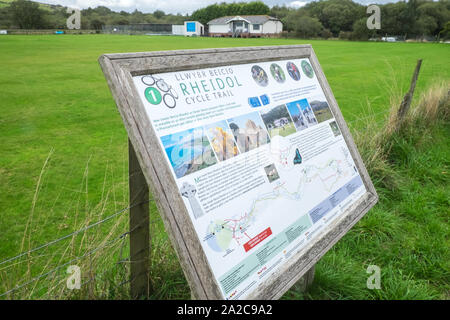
(106, 244)
(372, 116)
(61, 266)
(68, 235)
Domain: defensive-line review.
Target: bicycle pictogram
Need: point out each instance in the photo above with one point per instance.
(156, 86)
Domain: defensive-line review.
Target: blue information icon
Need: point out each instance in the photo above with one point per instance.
(264, 99)
(254, 102)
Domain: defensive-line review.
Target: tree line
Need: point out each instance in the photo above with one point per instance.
(24, 14)
(347, 19)
(319, 19)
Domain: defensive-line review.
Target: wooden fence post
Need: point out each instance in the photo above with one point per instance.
(139, 228)
(407, 99)
(306, 281)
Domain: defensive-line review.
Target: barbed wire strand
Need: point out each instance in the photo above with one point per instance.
(102, 273)
(122, 236)
(64, 264)
(122, 261)
(90, 279)
(369, 116)
(106, 271)
(71, 234)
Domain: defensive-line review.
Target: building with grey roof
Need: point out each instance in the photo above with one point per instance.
(245, 26)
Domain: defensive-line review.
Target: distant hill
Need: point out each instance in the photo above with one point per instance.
(5, 3)
(53, 17)
(44, 6)
(318, 105)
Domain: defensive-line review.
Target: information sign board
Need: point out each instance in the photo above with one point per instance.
(248, 156)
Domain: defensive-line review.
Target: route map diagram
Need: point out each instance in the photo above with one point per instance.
(223, 235)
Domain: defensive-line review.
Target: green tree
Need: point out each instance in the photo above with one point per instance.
(137, 17)
(255, 8)
(412, 16)
(426, 25)
(26, 14)
(360, 30)
(445, 32)
(280, 12)
(97, 24)
(5, 18)
(158, 14)
(103, 11)
(232, 9)
(432, 17)
(120, 21)
(204, 15)
(304, 26)
(394, 19)
(326, 34)
(335, 15)
(57, 18)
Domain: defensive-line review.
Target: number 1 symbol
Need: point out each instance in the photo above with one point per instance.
(153, 96)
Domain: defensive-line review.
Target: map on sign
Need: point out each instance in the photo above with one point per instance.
(224, 234)
(259, 161)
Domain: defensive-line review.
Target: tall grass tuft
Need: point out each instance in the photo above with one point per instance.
(98, 251)
(382, 146)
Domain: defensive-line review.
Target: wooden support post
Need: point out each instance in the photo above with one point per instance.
(306, 281)
(407, 99)
(139, 228)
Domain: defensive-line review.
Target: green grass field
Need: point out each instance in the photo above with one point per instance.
(323, 115)
(284, 131)
(55, 105)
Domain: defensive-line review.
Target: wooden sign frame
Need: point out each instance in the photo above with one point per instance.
(119, 70)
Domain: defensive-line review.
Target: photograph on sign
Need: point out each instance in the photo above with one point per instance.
(258, 160)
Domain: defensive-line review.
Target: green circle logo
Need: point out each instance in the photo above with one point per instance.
(153, 96)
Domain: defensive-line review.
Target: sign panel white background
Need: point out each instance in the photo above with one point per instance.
(261, 201)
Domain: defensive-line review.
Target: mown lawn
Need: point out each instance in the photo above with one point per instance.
(284, 131)
(54, 101)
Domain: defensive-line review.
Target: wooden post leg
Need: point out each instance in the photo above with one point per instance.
(407, 99)
(139, 228)
(305, 282)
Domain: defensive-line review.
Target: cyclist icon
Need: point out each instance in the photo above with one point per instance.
(169, 95)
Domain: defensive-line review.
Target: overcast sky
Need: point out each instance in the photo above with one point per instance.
(172, 6)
